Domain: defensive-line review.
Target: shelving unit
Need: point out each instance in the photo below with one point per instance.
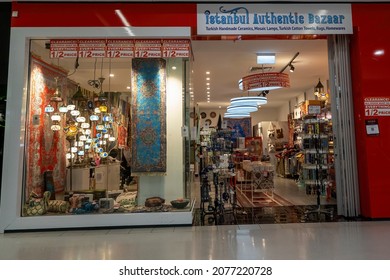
(317, 144)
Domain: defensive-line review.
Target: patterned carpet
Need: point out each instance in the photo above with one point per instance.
(269, 215)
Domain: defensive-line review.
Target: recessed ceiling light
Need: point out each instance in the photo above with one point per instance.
(208, 88)
(208, 73)
(173, 67)
(112, 75)
(208, 79)
(207, 84)
(128, 87)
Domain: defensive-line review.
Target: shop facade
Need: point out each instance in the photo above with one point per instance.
(178, 22)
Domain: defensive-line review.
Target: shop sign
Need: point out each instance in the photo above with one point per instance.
(117, 48)
(377, 106)
(282, 19)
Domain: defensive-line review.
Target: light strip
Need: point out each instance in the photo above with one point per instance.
(241, 109)
(236, 116)
(249, 100)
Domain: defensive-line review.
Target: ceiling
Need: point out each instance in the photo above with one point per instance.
(226, 60)
(229, 61)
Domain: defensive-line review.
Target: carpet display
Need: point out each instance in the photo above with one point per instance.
(242, 127)
(148, 116)
(45, 148)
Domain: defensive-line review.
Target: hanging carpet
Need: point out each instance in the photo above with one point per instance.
(148, 115)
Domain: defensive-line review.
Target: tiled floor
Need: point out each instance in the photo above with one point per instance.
(296, 241)
(260, 237)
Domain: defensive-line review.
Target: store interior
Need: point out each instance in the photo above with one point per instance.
(241, 169)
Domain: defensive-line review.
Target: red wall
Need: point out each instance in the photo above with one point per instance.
(103, 14)
(371, 78)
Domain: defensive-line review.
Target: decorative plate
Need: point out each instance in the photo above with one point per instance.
(203, 115)
(192, 115)
(208, 121)
(213, 114)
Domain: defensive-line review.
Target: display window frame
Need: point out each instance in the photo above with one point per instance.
(18, 85)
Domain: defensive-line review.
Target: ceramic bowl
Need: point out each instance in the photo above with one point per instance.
(179, 203)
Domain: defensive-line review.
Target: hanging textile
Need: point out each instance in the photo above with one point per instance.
(148, 116)
(45, 148)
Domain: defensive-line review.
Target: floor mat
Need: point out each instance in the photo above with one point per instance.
(268, 215)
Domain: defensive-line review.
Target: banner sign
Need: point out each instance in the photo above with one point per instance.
(377, 106)
(251, 19)
(115, 48)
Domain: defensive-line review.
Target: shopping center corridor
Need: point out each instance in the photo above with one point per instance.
(361, 240)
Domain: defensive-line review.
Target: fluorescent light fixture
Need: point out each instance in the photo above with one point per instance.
(265, 58)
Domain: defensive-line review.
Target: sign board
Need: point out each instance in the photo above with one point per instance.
(250, 19)
(377, 106)
(372, 127)
(119, 48)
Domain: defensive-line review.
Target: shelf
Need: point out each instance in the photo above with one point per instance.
(316, 166)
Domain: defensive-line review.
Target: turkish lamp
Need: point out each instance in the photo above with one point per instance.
(49, 109)
(73, 149)
(103, 108)
(89, 141)
(111, 139)
(63, 109)
(75, 113)
(104, 155)
(106, 136)
(71, 107)
(107, 118)
(83, 138)
(319, 89)
(80, 119)
(80, 153)
(69, 155)
(87, 147)
(55, 118)
(87, 132)
(99, 127)
(55, 127)
(85, 125)
(97, 110)
(80, 143)
(94, 118)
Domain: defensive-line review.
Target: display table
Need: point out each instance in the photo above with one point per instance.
(107, 176)
(260, 178)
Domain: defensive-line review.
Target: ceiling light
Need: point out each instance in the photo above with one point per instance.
(264, 81)
(249, 100)
(128, 87)
(265, 58)
(112, 75)
(173, 67)
(319, 90)
(241, 108)
(208, 73)
(292, 68)
(236, 116)
(208, 79)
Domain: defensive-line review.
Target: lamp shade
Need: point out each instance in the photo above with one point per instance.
(264, 81)
(236, 115)
(249, 100)
(241, 108)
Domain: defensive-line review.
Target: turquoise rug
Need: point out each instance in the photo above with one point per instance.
(148, 116)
